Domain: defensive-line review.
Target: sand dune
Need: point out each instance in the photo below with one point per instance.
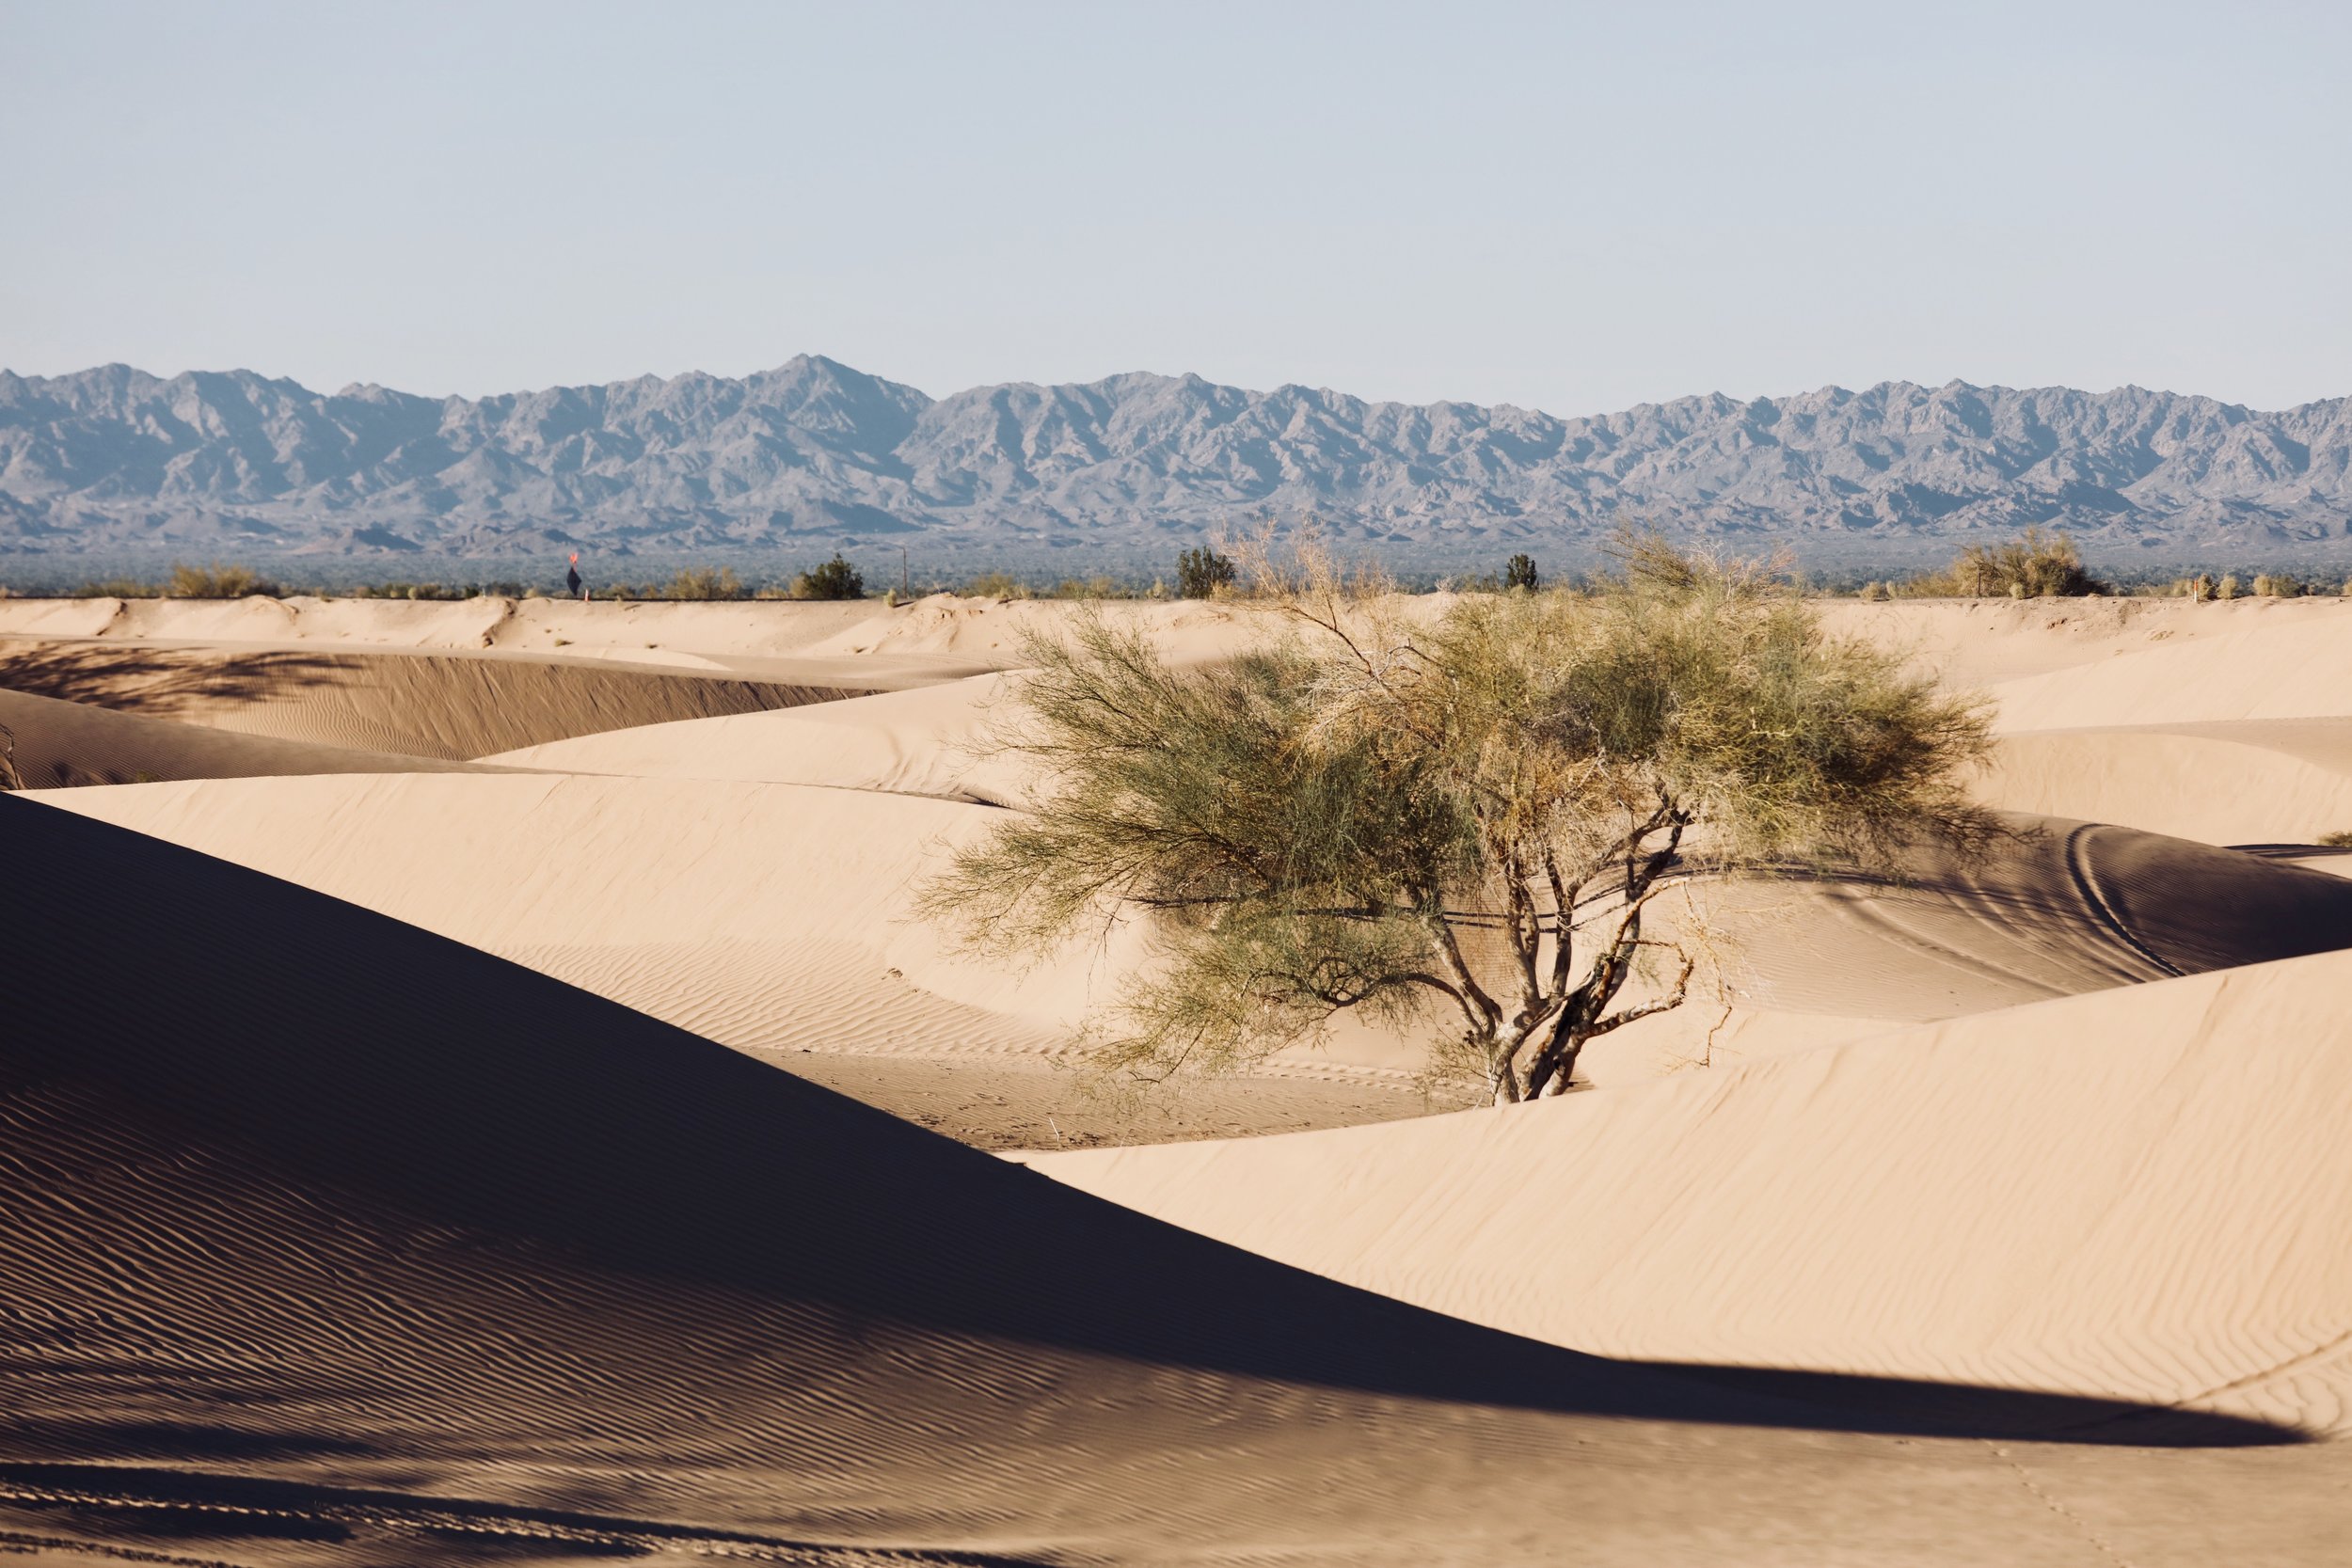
(329, 1240)
(449, 706)
(736, 628)
(927, 741)
(2266, 666)
(492, 1271)
(2056, 909)
(2258, 780)
(773, 918)
(61, 744)
(1977, 642)
(767, 916)
(2140, 1194)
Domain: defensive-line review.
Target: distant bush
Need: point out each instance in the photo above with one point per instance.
(422, 591)
(1096, 587)
(996, 585)
(2032, 566)
(2226, 588)
(2339, 839)
(1200, 573)
(836, 579)
(119, 588)
(1520, 572)
(1874, 592)
(2278, 585)
(702, 583)
(217, 582)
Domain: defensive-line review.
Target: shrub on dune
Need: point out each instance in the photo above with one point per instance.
(1336, 820)
(217, 582)
(2034, 565)
(1203, 573)
(704, 582)
(834, 579)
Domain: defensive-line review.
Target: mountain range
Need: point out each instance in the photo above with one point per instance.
(815, 455)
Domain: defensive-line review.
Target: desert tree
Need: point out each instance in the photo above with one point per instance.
(1465, 815)
(1202, 571)
(832, 580)
(1520, 572)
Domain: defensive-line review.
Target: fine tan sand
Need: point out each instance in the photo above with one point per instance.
(691, 900)
(379, 1192)
(2231, 781)
(448, 705)
(2141, 1194)
(61, 744)
(491, 1271)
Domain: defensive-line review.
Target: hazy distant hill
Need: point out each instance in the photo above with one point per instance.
(110, 461)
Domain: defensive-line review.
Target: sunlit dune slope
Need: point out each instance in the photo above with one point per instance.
(2048, 908)
(935, 740)
(771, 917)
(350, 1245)
(2141, 1192)
(776, 918)
(451, 706)
(2290, 666)
(2246, 781)
(61, 743)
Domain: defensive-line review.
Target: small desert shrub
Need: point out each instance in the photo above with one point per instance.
(996, 585)
(1200, 573)
(2032, 566)
(2278, 585)
(1093, 588)
(1520, 572)
(1873, 593)
(836, 579)
(702, 583)
(2339, 839)
(2226, 588)
(217, 582)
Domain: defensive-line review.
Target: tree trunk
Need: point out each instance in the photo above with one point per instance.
(1565, 1071)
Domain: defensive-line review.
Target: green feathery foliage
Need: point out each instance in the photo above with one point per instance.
(217, 582)
(1199, 573)
(834, 579)
(1372, 812)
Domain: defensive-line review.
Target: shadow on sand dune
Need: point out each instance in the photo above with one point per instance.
(160, 683)
(286, 1117)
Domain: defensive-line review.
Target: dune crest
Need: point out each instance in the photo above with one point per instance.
(498, 1266)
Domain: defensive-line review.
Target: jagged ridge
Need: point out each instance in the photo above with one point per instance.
(112, 459)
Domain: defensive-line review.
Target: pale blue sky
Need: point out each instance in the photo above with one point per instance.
(1572, 207)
